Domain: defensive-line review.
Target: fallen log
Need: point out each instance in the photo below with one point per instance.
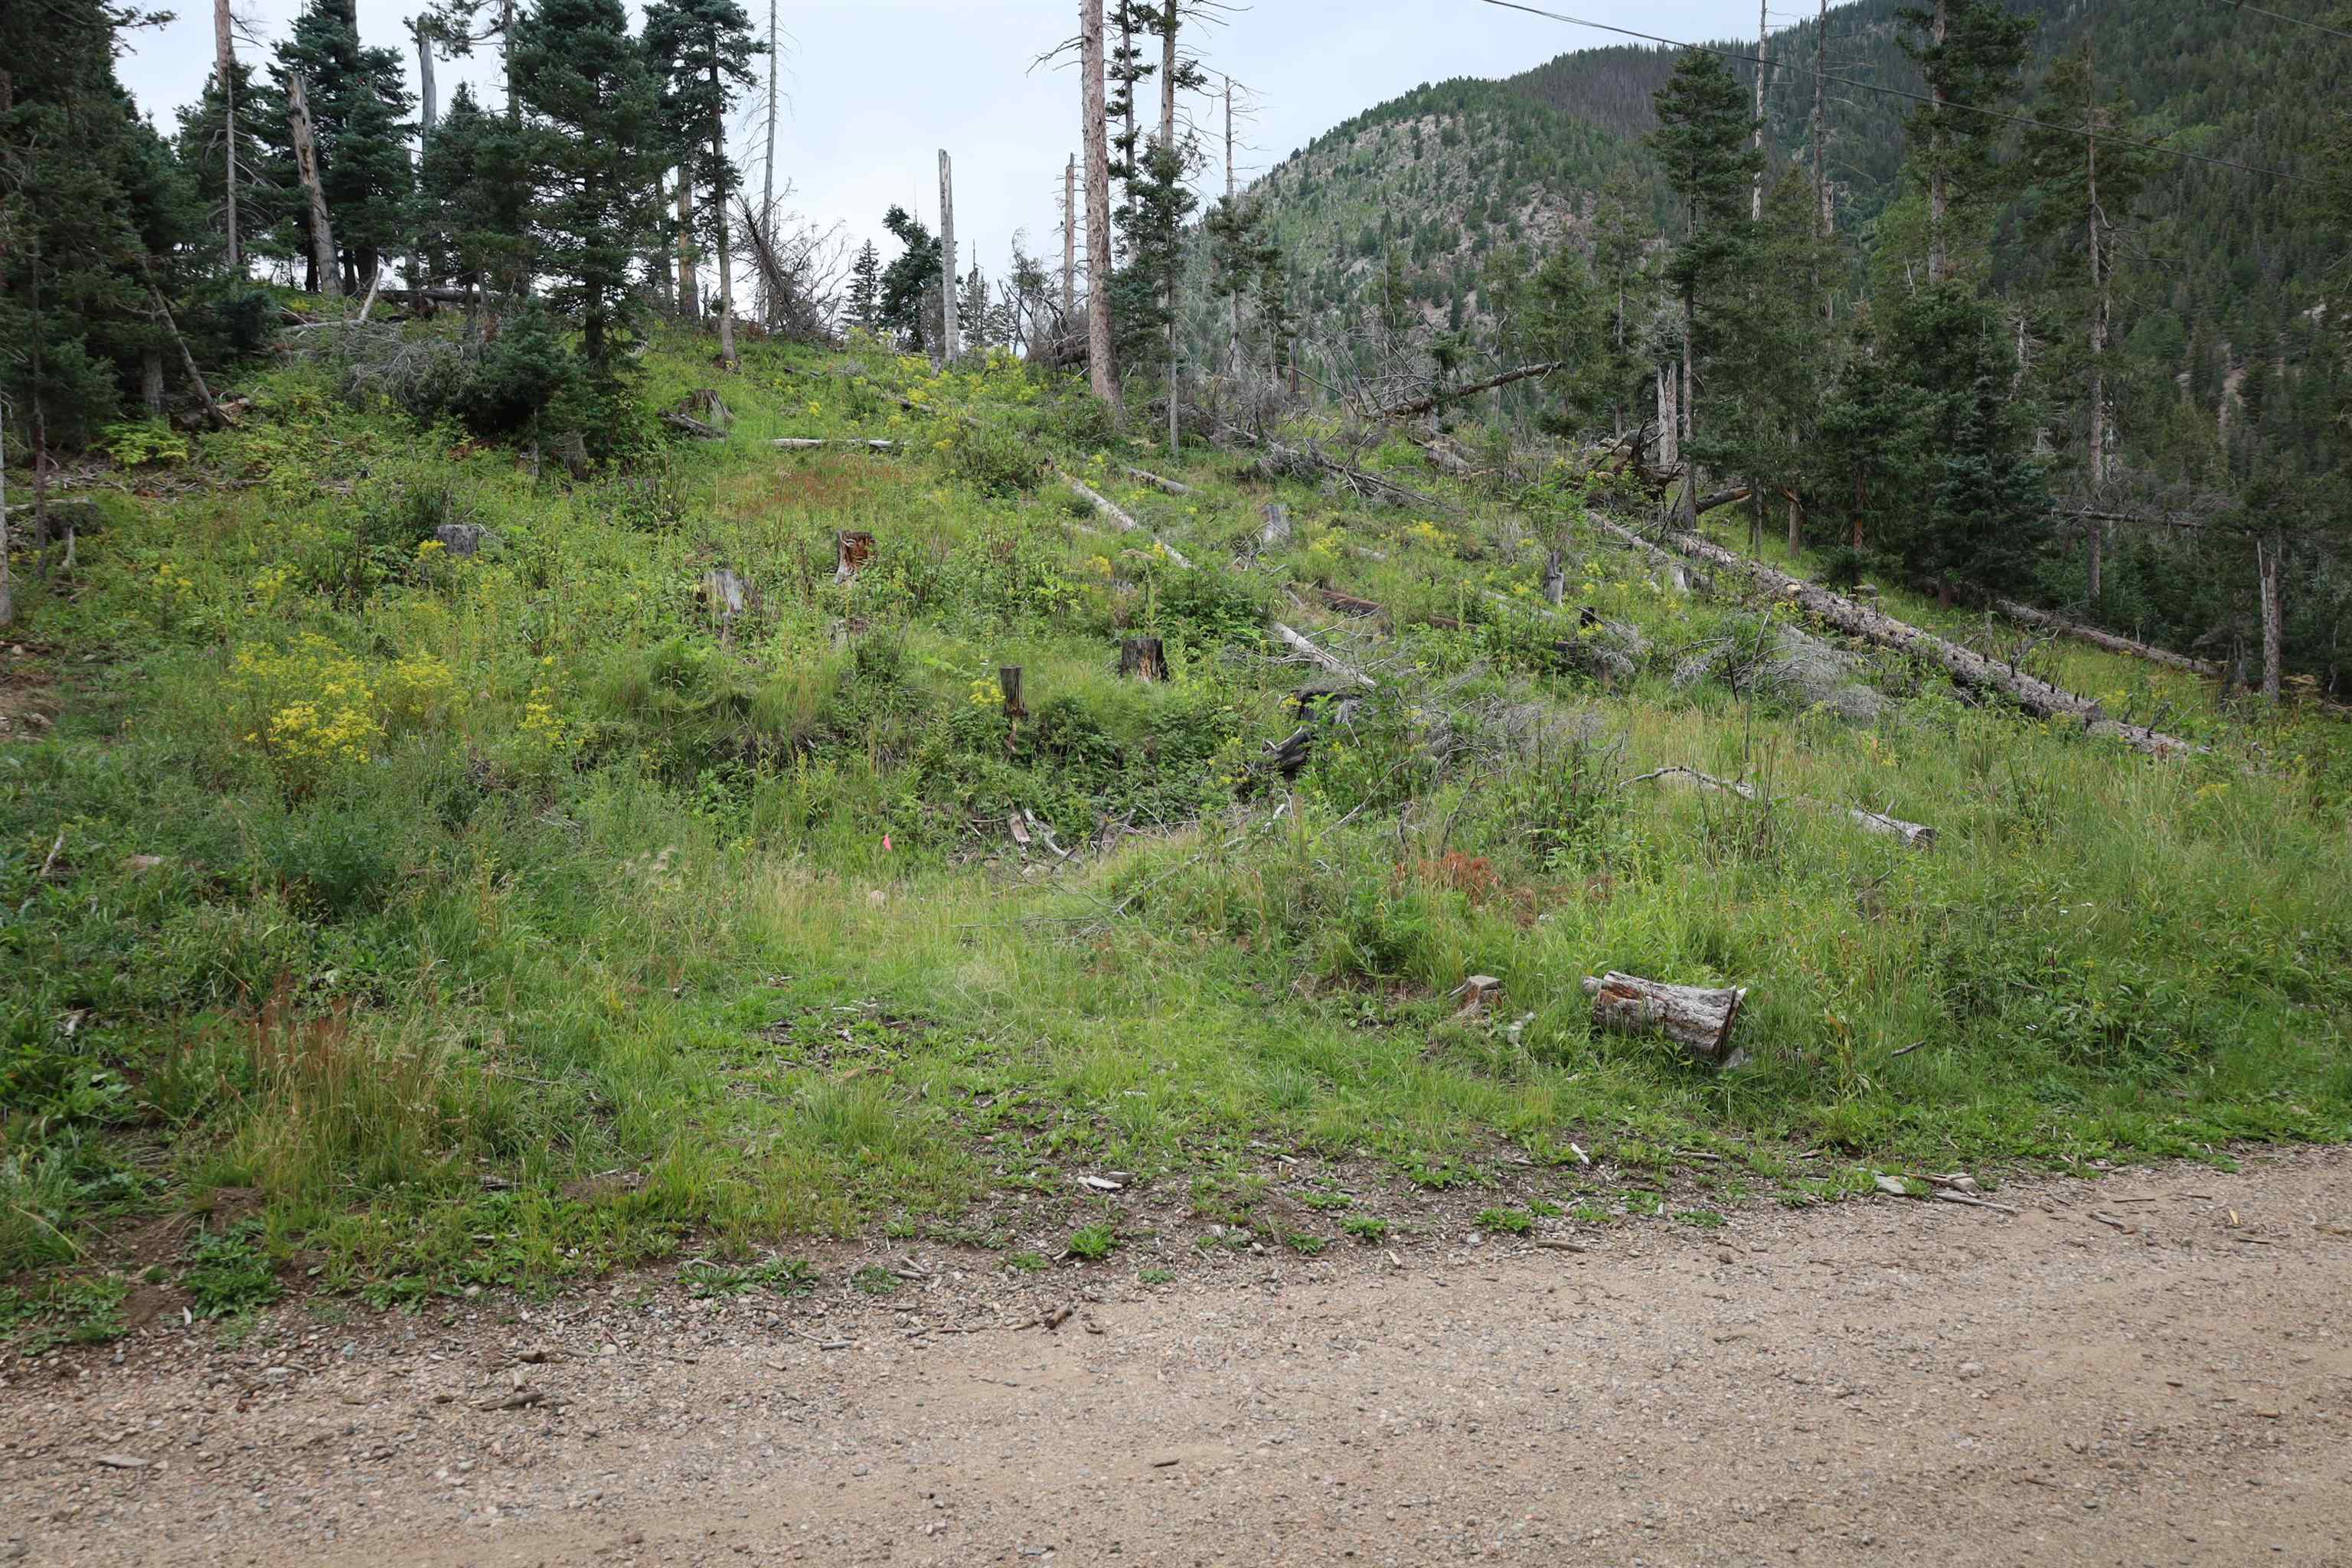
(1972, 669)
(691, 425)
(1708, 503)
(1316, 655)
(1918, 835)
(1414, 407)
(1149, 477)
(810, 443)
(1697, 1018)
(2043, 620)
(1348, 604)
(1125, 523)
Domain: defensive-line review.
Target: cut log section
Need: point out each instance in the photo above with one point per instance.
(1918, 835)
(2043, 620)
(1120, 519)
(1697, 1018)
(1972, 669)
(1143, 659)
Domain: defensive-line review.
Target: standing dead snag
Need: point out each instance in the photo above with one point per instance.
(1008, 684)
(1143, 659)
(300, 133)
(1698, 1018)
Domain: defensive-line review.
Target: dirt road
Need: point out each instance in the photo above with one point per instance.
(1890, 1382)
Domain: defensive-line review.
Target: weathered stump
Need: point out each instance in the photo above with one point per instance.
(1143, 659)
(851, 551)
(1697, 1018)
(1277, 531)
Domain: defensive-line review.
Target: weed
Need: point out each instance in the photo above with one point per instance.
(875, 1281)
(781, 1276)
(1703, 1220)
(1155, 1276)
(1304, 1244)
(1507, 1222)
(1365, 1227)
(1094, 1242)
(1026, 1262)
(229, 1274)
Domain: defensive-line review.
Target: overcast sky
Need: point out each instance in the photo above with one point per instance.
(877, 86)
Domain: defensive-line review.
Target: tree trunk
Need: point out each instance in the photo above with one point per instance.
(1763, 70)
(657, 261)
(2047, 622)
(1938, 194)
(2267, 560)
(768, 169)
(8, 582)
(151, 379)
(1822, 118)
(726, 250)
(1070, 244)
(306, 164)
(2093, 531)
(1697, 1018)
(1143, 659)
(1686, 394)
(689, 301)
(225, 68)
(1969, 669)
(1233, 300)
(428, 104)
(948, 277)
(1100, 368)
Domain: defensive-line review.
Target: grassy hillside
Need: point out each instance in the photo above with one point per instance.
(402, 921)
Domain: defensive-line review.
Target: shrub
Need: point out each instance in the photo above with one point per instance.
(993, 458)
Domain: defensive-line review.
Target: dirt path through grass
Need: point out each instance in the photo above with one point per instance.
(1880, 1381)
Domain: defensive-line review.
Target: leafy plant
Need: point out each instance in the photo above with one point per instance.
(1094, 1242)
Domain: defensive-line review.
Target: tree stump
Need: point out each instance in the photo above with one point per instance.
(1697, 1018)
(1555, 584)
(851, 551)
(1277, 531)
(1143, 659)
(1008, 683)
(721, 593)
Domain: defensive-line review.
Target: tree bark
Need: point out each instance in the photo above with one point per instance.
(1100, 368)
(225, 68)
(1697, 1018)
(1822, 118)
(306, 164)
(428, 103)
(1972, 670)
(948, 278)
(690, 300)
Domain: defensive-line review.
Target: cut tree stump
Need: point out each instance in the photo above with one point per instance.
(851, 551)
(1277, 531)
(721, 593)
(1008, 683)
(1143, 659)
(1697, 1018)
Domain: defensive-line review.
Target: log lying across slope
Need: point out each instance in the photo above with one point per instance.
(1970, 669)
(2043, 620)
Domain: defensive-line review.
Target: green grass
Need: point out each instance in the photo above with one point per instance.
(603, 932)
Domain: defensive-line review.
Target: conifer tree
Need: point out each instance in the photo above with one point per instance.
(594, 103)
(1704, 122)
(865, 289)
(907, 279)
(704, 50)
(1970, 52)
(357, 96)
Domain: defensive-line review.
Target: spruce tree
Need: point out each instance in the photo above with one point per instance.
(703, 50)
(1704, 125)
(865, 289)
(592, 103)
(907, 280)
(1970, 52)
(358, 98)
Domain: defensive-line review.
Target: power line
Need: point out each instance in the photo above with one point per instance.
(2283, 16)
(1899, 92)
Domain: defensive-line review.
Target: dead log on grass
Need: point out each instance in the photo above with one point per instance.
(2043, 620)
(1316, 655)
(1125, 523)
(1918, 835)
(811, 442)
(1972, 669)
(1154, 481)
(1698, 1018)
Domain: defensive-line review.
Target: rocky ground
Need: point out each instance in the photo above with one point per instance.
(2149, 1369)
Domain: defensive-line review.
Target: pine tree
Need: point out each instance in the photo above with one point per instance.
(865, 289)
(1970, 52)
(1152, 225)
(909, 278)
(474, 180)
(592, 97)
(357, 96)
(1704, 122)
(704, 50)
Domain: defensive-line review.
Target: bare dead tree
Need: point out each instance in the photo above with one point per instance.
(306, 163)
(1100, 370)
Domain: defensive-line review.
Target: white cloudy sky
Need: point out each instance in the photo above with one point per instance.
(876, 87)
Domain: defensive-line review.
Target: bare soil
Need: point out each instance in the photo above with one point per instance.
(1884, 1382)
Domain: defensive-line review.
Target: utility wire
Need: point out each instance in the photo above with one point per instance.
(2283, 16)
(1899, 92)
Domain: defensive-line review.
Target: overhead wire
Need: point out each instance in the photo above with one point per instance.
(2026, 120)
(2283, 16)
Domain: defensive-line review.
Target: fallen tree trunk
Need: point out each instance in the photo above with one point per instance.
(2043, 620)
(1415, 407)
(1126, 524)
(1697, 1018)
(1708, 503)
(691, 425)
(1918, 835)
(1149, 477)
(1316, 655)
(811, 442)
(1972, 669)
